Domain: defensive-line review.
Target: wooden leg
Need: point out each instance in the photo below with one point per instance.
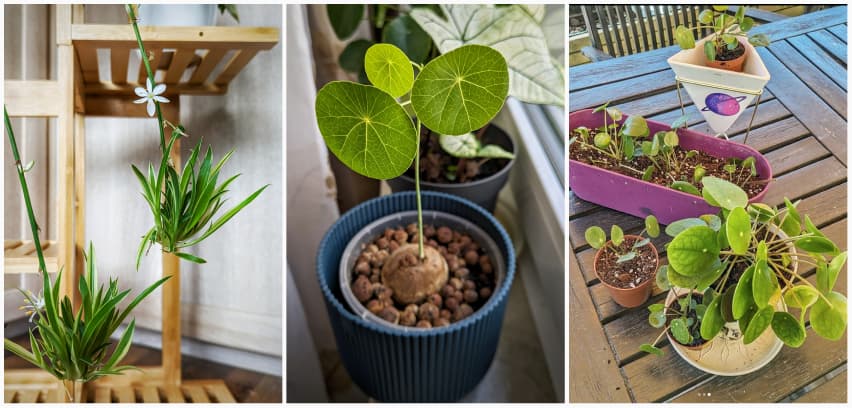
(80, 200)
(171, 320)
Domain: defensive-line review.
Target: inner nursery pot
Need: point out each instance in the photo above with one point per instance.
(698, 342)
(627, 292)
(392, 363)
(482, 191)
(640, 198)
(735, 64)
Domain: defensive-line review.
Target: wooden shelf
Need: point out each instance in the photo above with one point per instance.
(174, 51)
(20, 256)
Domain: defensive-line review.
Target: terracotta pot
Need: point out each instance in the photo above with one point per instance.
(632, 297)
(735, 65)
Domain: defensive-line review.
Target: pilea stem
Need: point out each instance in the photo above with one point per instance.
(417, 193)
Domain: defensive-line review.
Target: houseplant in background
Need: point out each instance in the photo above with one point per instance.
(455, 164)
(613, 155)
(369, 130)
(723, 72)
(626, 264)
(750, 260)
(73, 347)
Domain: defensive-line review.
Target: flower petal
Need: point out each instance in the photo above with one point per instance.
(141, 100)
(150, 107)
(159, 89)
(150, 85)
(140, 91)
(160, 99)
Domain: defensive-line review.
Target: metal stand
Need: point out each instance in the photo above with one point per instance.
(759, 94)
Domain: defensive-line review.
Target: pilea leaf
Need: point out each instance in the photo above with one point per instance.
(366, 129)
(758, 324)
(680, 331)
(617, 235)
(662, 278)
(827, 279)
(761, 212)
(344, 18)
(648, 173)
(685, 187)
(693, 250)
(788, 329)
(648, 348)
(743, 294)
(685, 38)
(474, 77)
(657, 318)
(762, 252)
(724, 193)
(596, 237)
(628, 147)
(764, 287)
(635, 126)
(817, 245)
(712, 221)
(738, 229)
(389, 69)
(726, 305)
(652, 226)
(801, 297)
(713, 320)
(626, 257)
(679, 226)
(829, 319)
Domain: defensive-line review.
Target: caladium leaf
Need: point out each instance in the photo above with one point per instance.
(494, 152)
(513, 31)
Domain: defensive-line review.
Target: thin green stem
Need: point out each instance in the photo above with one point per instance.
(417, 192)
(132, 15)
(26, 191)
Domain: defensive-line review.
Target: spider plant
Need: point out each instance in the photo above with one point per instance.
(184, 203)
(74, 347)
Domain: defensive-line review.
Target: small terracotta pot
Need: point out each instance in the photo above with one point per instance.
(632, 297)
(735, 65)
(668, 332)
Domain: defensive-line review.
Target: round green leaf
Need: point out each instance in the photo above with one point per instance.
(617, 235)
(649, 348)
(351, 59)
(670, 139)
(764, 285)
(684, 37)
(693, 250)
(344, 18)
(685, 187)
(596, 237)
(680, 331)
(706, 16)
(366, 129)
(679, 226)
(602, 140)
(761, 212)
(635, 126)
(662, 278)
(817, 245)
(758, 324)
(614, 113)
(747, 23)
(389, 69)
(713, 320)
(738, 229)
(713, 221)
(829, 319)
(708, 277)
(657, 319)
(788, 329)
(743, 294)
(720, 8)
(759, 40)
(801, 297)
(728, 195)
(652, 226)
(462, 90)
(463, 146)
(679, 280)
(406, 34)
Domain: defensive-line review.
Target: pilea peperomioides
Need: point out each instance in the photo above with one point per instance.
(596, 237)
(748, 259)
(371, 131)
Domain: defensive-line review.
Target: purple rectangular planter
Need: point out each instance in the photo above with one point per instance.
(641, 198)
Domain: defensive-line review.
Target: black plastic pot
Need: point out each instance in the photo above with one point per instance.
(484, 191)
(397, 364)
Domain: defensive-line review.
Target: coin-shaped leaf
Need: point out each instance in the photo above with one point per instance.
(743, 297)
(713, 321)
(693, 250)
(462, 90)
(648, 348)
(764, 287)
(596, 237)
(389, 69)
(652, 226)
(788, 329)
(738, 228)
(679, 226)
(366, 129)
(818, 245)
(617, 235)
(726, 194)
(680, 331)
(829, 319)
(758, 324)
(801, 297)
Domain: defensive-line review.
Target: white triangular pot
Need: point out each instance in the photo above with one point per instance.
(714, 96)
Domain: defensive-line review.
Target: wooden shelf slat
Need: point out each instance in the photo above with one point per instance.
(180, 60)
(118, 62)
(208, 64)
(20, 256)
(110, 35)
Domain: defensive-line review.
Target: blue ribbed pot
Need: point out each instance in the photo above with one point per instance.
(392, 365)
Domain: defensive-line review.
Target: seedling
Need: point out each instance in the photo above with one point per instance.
(681, 318)
(369, 130)
(726, 28)
(615, 140)
(596, 237)
(768, 246)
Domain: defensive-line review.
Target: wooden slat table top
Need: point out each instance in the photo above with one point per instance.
(801, 128)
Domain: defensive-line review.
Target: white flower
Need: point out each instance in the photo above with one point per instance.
(33, 304)
(150, 95)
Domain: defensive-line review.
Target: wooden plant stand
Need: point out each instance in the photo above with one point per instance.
(185, 59)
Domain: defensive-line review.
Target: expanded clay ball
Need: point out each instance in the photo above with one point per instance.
(362, 289)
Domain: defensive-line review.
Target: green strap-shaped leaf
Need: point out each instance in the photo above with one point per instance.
(829, 319)
(738, 228)
(788, 329)
(462, 90)
(389, 69)
(516, 33)
(694, 250)
(366, 129)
